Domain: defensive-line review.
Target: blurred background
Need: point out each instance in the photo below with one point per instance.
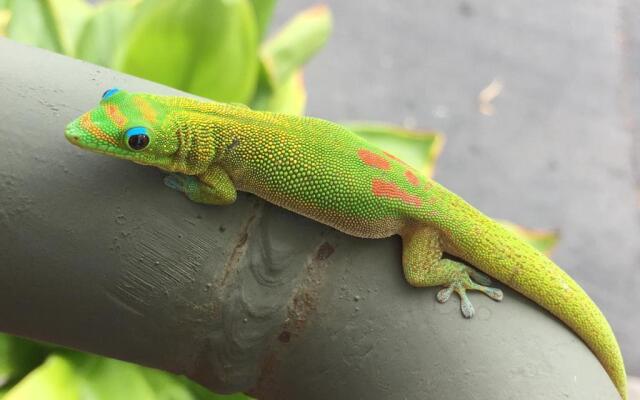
(536, 100)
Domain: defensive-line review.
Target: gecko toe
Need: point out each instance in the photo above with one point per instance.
(494, 293)
(181, 183)
(175, 182)
(465, 304)
(461, 283)
(444, 294)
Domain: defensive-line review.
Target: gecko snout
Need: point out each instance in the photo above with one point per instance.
(73, 133)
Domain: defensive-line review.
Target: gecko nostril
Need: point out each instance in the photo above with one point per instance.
(72, 135)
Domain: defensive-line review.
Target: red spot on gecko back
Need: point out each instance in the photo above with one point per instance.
(412, 178)
(390, 190)
(373, 160)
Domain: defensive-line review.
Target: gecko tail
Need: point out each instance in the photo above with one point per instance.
(585, 318)
(501, 254)
(541, 280)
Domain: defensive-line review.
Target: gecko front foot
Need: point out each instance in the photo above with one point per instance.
(211, 187)
(461, 283)
(180, 182)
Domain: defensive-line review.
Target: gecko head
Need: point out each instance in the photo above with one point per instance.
(132, 126)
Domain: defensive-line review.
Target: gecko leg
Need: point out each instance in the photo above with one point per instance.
(211, 187)
(424, 266)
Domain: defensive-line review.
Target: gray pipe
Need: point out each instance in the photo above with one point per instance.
(97, 254)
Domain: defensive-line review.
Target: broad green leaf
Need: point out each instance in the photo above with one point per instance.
(171, 387)
(105, 378)
(294, 45)
(33, 22)
(167, 386)
(73, 16)
(5, 17)
(5, 14)
(263, 10)
(18, 357)
(55, 379)
(543, 240)
(205, 47)
(289, 98)
(105, 31)
(50, 24)
(72, 375)
(418, 149)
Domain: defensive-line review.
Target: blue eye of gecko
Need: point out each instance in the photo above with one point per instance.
(109, 93)
(137, 138)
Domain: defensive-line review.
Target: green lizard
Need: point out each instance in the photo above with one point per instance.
(323, 171)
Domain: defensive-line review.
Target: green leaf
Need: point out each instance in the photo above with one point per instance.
(33, 22)
(74, 14)
(5, 17)
(167, 386)
(205, 47)
(197, 392)
(105, 31)
(71, 375)
(416, 148)
(17, 358)
(104, 378)
(263, 10)
(294, 45)
(289, 98)
(50, 24)
(53, 380)
(543, 240)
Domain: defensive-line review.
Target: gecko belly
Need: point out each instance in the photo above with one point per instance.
(342, 220)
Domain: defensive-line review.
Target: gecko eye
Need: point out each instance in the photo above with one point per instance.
(109, 93)
(137, 138)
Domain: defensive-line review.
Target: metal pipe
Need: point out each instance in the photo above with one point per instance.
(96, 254)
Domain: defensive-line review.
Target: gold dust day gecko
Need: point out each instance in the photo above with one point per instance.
(322, 170)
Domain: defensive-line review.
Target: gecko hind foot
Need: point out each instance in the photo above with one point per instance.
(463, 283)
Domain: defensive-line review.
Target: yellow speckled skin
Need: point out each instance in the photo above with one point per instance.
(325, 172)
